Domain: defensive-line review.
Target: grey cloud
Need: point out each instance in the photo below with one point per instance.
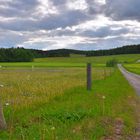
(11, 39)
(68, 18)
(17, 8)
(59, 2)
(94, 7)
(24, 12)
(27, 19)
(106, 43)
(98, 33)
(19, 25)
(123, 9)
(62, 32)
(84, 46)
(104, 32)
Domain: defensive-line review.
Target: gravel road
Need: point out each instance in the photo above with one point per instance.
(133, 79)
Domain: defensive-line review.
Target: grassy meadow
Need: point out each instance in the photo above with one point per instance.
(127, 58)
(49, 101)
(73, 61)
(135, 68)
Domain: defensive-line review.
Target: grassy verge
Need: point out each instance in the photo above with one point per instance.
(135, 68)
(77, 114)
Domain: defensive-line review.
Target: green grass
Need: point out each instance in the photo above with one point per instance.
(128, 58)
(30, 86)
(74, 61)
(45, 64)
(135, 68)
(68, 112)
(50, 100)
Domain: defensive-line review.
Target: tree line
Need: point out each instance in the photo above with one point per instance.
(15, 55)
(27, 55)
(129, 49)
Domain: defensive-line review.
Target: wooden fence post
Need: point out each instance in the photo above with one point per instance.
(89, 76)
(3, 125)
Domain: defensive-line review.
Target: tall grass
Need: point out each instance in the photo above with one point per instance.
(49, 104)
(67, 111)
(26, 87)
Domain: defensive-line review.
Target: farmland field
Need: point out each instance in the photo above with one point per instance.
(50, 100)
(73, 61)
(133, 67)
(126, 58)
(25, 86)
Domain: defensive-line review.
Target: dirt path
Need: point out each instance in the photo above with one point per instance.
(133, 79)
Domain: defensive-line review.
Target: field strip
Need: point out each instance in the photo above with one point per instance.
(134, 79)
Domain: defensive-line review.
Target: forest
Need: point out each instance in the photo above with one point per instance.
(27, 55)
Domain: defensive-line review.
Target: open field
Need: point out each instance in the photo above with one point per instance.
(45, 64)
(133, 67)
(127, 58)
(50, 107)
(25, 86)
(74, 61)
(53, 103)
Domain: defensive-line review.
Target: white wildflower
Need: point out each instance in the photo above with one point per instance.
(1, 85)
(7, 104)
(103, 97)
(53, 128)
(73, 131)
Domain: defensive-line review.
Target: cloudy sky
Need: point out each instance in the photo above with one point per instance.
(75, 24)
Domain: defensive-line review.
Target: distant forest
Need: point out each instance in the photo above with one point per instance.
(27, 55)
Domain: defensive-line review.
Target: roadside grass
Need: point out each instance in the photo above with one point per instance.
(77, 114)
(135, 68)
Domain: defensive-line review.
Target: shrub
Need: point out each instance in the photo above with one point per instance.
(111, 63)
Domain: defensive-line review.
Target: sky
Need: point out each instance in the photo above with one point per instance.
(72, 24)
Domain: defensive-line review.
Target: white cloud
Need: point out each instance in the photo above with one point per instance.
(77, 5)
(101, 1)
(46, 7)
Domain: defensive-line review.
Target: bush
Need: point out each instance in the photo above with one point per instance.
(111, 63)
